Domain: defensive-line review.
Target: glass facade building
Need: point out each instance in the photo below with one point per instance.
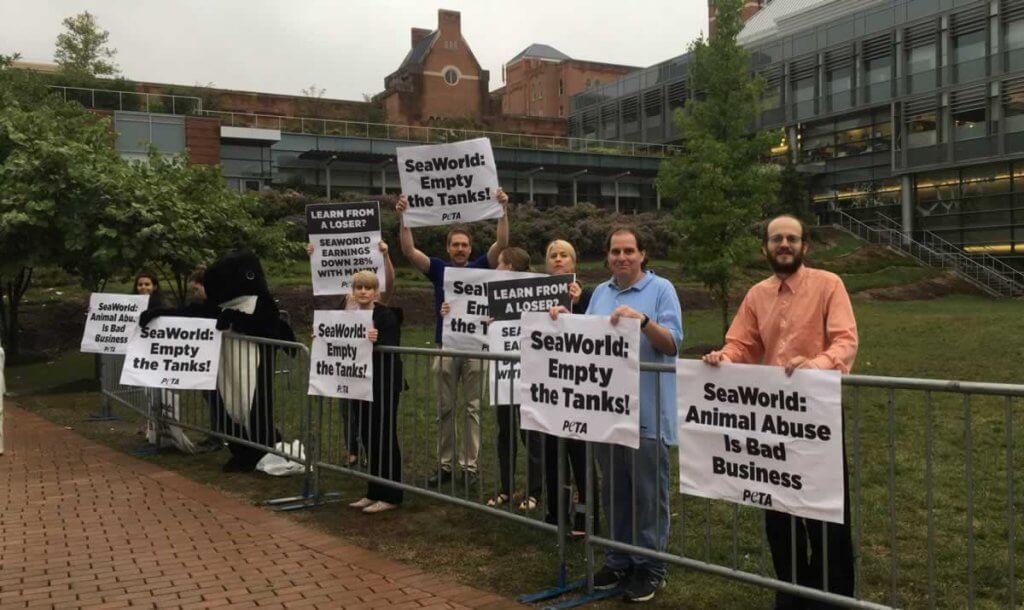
(913, 109)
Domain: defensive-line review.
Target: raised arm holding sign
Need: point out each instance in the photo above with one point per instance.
(454, 373)
(449, 183)
(344, 239)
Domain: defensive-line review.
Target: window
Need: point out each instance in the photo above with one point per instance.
(922, 129)
(921, 59)
(588, 83)
(1014, 35)
(969, 124)
(1013, 111)
(840, 82)
(451, 75)
(803, 97)
(451, 44)
(561, 89)
(969, 56)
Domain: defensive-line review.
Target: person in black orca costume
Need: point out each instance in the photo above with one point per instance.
(238, 298)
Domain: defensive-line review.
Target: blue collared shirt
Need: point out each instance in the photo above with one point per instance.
(656, 297)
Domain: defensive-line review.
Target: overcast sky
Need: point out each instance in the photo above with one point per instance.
(344, 46)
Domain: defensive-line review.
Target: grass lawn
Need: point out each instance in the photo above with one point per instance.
(963, 337)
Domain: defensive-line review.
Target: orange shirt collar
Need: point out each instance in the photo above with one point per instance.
(793, 282)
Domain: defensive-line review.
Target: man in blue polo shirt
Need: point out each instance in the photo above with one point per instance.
(633, 292)
(454, 373)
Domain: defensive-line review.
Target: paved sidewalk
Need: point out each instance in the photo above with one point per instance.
(84, 526)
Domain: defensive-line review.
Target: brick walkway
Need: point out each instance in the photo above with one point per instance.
(84, 526)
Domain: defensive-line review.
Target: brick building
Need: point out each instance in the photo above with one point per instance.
(439, 77)
(540, 80)
(750, 7)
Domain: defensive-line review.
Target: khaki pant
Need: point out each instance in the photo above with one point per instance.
(453, 374)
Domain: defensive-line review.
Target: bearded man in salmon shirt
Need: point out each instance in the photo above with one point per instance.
(799, 318)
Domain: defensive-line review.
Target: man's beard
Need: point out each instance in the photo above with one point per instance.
(791, 267)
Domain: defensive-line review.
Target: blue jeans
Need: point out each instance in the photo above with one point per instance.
(651, 487)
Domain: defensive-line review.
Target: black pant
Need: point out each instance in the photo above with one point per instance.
(810, 564)
(353, 413)
(508, 423)
(380, 439)
(576, 456)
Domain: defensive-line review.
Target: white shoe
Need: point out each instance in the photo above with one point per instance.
(361, 503)
(379, 507)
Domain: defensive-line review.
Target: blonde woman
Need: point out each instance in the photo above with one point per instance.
(378, 431)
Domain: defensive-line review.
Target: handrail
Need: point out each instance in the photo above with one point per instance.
(430, 134)
(189, 104)
(986, 278)
(989, 260)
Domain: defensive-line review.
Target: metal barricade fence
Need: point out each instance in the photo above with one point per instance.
(931, 474)
(260, 405)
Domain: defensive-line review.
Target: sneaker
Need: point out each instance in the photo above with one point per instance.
(607, 578)
(470, 477)
(641, 586)
(439, 478)
(361, 503)
(498, 500)
(528, 503)
(379, 507)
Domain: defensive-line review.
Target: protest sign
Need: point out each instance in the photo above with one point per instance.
(449, 183)
(465, 290)
(345, 238)
(751, 435)
(340, 360)
(581, 377)
(173, 352)
(111, 321)
(507, 300)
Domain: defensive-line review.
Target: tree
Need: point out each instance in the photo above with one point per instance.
(721, 179)
(793, 199)
(82, 48)
(314, 100)
(56, 161)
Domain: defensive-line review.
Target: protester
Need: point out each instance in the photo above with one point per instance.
(353, 409)
(148, 283)
(799, 318)
(378, 430)
(560, 259)
(633, 292)
(196, 290)
(454, 373)
(507, 415)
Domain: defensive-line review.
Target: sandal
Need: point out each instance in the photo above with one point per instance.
(498, 500)
(528, 503)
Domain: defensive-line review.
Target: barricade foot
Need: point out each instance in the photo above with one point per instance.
(102, 417)
(589, 598)
(532, 598)
(301, 502)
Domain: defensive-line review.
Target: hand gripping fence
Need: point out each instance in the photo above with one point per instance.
(932, 472)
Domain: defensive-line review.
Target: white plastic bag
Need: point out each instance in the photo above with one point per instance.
(277, 466)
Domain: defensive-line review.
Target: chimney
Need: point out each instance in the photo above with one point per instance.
(449, 23)
(419, 34)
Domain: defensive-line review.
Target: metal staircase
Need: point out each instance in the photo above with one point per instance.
(988, 273)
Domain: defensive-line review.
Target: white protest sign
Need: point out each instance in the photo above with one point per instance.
(465, 290)
(345, 238)
(581, 377)
(173, 352)
(507, 300)
(340, 360)
(751, 435)
(111, 321)
(449, 183)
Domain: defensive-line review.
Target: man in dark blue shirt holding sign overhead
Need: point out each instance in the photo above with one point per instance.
(454, 373)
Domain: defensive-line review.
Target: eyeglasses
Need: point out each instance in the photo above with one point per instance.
(778, 239)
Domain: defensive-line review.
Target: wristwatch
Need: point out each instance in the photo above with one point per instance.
(643, 323)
